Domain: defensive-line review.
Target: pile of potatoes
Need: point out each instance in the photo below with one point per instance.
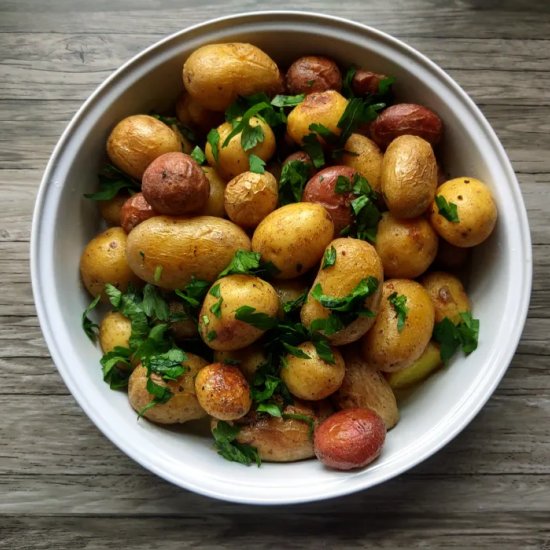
(189, 220)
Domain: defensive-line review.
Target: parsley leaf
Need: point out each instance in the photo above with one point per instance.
(294, 176)
(450, 336)
(269, 408)
(399, 303)
(216, 309)
(225, 436)
(193, 293)
(292, 305)
(302, 417)
(322, 347)
(250, 135)
(213, 138)
(245, 262)
(259, 320)
(384, 86)
(314, 149)
(111, 181)
(287, 100)
(154, 304)
(352, 302)
(329, 258)
(90, 328)
(161, 395)
(116, 367)
(297, 352)
(448, 210)
(358, 112)
(198, 155)
(256, 164)
(468, 329)
(211, 335)
(158, 273)
(347, 82)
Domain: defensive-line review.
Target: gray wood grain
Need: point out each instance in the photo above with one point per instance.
(63, 485)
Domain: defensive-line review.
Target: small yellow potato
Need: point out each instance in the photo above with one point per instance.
(169, 251)
(324, 108)
(181, 407)
(110, 210)
(385, 347)
(250, 197)
(185, 328)
(138, 140)
(232, 159)
(223, 392)
(218, 325)
(294, 237)
(476, 211)
(193, 114)
(216, 74)
(409, 176)
(366, 388)
(428, 362)
(448, 295)
(356, 260)
(114, 330)
(290, 290)
(364, 156)
(312, 378)
(104, 261)
(214, 206)
(407, 247)
(248, 359)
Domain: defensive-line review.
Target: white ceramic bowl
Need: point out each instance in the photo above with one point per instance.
(64, 222)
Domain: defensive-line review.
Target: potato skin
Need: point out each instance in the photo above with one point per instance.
(476, 209)
(111, 210)
(355, 260)
(104, 260)
(428, 362)
(250, 197)
(313, 73)
(312, 379)
(232, 159)
(222, 331)
(293, 237)
(366, 159)
(216, 74)
(193, 114)
(321, 189)
(409, 176)
(366, 388)
(324, 108)
(174, 184)
(135, 210)
(184, 247)
(406, 247)
(222, 391)
(366, 82)
(114, 330)
(249, 358)
(350, 439)
(214, 205)
(448, 295)
(181, 407)
(289, 290)
(387, 349)
(138, 140)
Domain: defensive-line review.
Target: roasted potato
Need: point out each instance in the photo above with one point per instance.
(181, 407)
(293, 238)
(313, 73)
(246, 359)
(114, 330)
(428, 362)
(365, 157)
(448, 295)
(138, 140)
(193, 114)
(366, 83)
(135, 210)
(111, 210)
(169, 252)
(214, 206)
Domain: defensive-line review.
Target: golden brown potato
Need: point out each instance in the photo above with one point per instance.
(324, 108)
(232, 159)
(356, 260)
(114, 330)
(218, 325)
(169, 251)
(428, 362)
(134, 211)
(366, 388)
(248, 359)
(185, 328)
(216, 74)
(476, 211)
(138, 140)
(294, 238)
(223, 392)
(385, 347)
(448, 295)
(313, 73)
(181, 407)
(364, 156)
(407, 247)
(194, 115)
(250, 197)
(104, 260)
(312, 378)
(111, 210)
(214, 206)
(409, 176)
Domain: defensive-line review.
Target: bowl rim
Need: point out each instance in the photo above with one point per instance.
(476, 399)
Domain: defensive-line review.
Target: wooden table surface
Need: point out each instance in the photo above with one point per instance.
(64, 485)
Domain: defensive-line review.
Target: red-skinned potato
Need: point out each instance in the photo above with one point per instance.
(135, 210)
(313, 73)
(366, 82)
(174, 184)
(349, 439)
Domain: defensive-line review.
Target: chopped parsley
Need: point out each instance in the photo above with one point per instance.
(294, 177)
(216, 309)
(257, 319)
(250, 135)
(90, 328)
(213, 138)
(448, 210)
(329, 258)
(291, 306)
(192, 295)
(158, 273)
(198, 155)
(111, 182)
(451, 337)
(256, 164)
(314, 149)
(287, 100)
(358, 112)
(399, 303)
(245, 262)
(347, 82)
(225, 442)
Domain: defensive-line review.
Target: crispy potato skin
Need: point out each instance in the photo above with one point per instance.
(222, 391)
(250, 197)
(104, 260)
(111, 210)
(313, 73)
(409, 176)
(407, 247)
(355, 260)
(138, 140)
(366, 388)
(216, 74)
(448, 295)
(222, 331)
(135, 210)
(365, 157)
(387, 349)
(114, 330)
(201, 246)
(477, 212)
(214, 205)
(181, 407)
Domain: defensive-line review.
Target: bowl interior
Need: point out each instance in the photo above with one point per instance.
(65, 221)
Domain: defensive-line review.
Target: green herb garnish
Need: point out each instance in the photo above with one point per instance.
(90, 328)
(111, 182)
(450, 336)
(399, 303)
(213, 138)
(216, 309)
(294, 177)
(448, 210)
(256, 164)
(329, 258)
(259, 320)
(287, 100)
(225, 436)
(198, 155)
